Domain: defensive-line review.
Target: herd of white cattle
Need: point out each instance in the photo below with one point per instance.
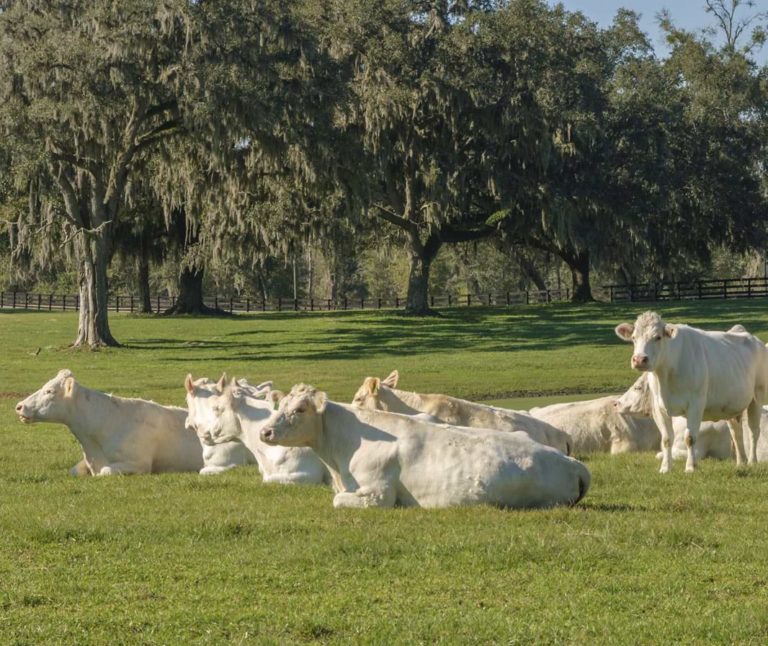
(391, 447)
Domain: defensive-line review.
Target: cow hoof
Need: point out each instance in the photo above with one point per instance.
(689, 469)
(664, 469)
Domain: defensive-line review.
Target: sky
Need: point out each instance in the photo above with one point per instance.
(688, 14)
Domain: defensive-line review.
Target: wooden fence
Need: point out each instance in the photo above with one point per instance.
(692, 290)
(244, 304)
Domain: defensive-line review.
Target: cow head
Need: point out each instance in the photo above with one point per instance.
(211, 409)
(637, 400)
(298, 420)
(648, 335)
(369, 394)
(51, 403)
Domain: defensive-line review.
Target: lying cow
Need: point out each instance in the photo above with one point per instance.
(380, 459)
(377, 394)
(118, 435)
(595, 426)
(218, 458)
(714, 440)
(700, 375)
(227, 413)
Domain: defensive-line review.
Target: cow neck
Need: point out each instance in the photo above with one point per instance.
(330, 442)
(405, 402)
(94, 426)
(673, 349)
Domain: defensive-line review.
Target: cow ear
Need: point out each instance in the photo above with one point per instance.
(670, 331)
(391, 379)
(624, 331)
(371, 385)
(320, 399)
(221, 383)
(69, 387)
(189, 384)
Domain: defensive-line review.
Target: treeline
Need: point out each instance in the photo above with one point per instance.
(360, 146)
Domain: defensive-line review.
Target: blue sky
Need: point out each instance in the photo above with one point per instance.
(689, 14)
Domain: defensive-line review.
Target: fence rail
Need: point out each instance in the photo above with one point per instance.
(243, 304)
(691, 290)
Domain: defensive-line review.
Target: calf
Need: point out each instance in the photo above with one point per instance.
(380, 459)
(380, 394)
(118, 435)
(226, 413)
(701, 375)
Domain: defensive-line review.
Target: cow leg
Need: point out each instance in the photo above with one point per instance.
(754, 413)
(691, 433)
(664, 422)
(80, 469)
(213, 470)
(734, 425)
(381, 495)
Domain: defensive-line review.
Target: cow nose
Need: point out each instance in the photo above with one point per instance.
(639, 359)
(615, 403)
(267, 434)
(19, 408)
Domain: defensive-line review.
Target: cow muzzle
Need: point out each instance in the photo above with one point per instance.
(639, 362)
(268, 435)
(25, 419)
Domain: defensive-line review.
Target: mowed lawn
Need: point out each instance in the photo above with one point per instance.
(185, 559)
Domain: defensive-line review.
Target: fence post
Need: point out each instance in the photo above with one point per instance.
(295, 304)
(158, 304)
(725, 290)
(346, 302)
(279, 303)
(14, 300)
(64, 302)
(50, 302)
(432, 300)
(449, 300)
(397, 301)
(749, 288)
(362, 303)
(39, 302)
(469, 300)
(509, 302)
(117, 304)
(311, 304)
(77, 302)
(379, 302)
(231, 304)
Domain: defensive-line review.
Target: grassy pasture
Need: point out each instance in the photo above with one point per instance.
(187, 559)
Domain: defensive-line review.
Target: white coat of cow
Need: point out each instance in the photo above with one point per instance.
(118, 435)
(595, 426)
(377, 394)
(380, 459)
(701, 375)
(218, 458)
(226, 413)
(714, 439)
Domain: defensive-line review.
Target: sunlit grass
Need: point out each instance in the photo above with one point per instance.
(179, 559)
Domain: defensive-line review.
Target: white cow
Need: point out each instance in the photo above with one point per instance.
(701, 375)
(595, 426)
(714, 440)
(377, 394)
(218, 458)
(380, 459)
(227, 413)
(118, 435)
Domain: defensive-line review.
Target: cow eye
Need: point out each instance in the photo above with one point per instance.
(301, 409)
(50, 392)
(658, 337)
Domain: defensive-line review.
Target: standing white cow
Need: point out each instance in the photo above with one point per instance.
(699, 374)
(595, 426)
(714, 440)
(118, 435)
(377, 394)
(227, 413)
(380, 459)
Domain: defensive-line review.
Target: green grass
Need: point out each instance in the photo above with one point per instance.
(183, 559)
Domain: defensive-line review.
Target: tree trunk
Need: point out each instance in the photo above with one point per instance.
(578, 263)
(529, 269)
(190, 300)
(422, 255)
(142, 267)
(93, 321)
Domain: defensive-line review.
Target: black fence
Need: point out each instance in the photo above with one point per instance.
(244, 304)
(696, 290)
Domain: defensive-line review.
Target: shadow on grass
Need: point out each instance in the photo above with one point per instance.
(500, 330)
